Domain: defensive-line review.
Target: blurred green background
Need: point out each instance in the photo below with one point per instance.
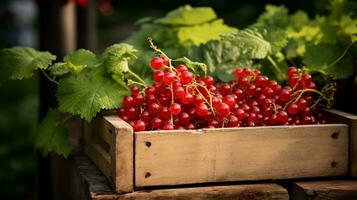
(19, 102)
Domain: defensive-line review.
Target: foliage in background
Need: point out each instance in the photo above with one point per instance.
(324, 44)
(18, 118)
(179, 30)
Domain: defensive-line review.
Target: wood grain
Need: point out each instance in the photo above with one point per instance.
(122, 153)
(236, 154)
(350, 119)
(109, 144)
(89, 183)
(230, 192)
(324, 190)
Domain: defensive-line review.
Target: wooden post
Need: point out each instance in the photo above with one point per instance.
(86, 26)
(57, 35)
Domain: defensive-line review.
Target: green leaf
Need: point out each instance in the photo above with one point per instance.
(187, 15)
(116, 60)
(298, 20)
(193, 65)
(348, 27)
(201, 34)
(251, 42)
(340, 8)
(59, 69)
(21, 62)
(274, 17)
(88, 93)
(321, 58)
(52, 135)
(74, 63)
(81, 57)
(277, 38)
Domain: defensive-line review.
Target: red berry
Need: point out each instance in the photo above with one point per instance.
(156, 62)
(139, 126)
(175, 108)
(302, 104)
(128, 101)
(181, 68)
(229, 100)
(169, 77)
(134, 90)
(293, 108)
(186, 77)
(168, 127)
(232, 121)
(156, 122)
(179, 92)
(282, 117)
(201, 109)
(223, 109)
(158, 76)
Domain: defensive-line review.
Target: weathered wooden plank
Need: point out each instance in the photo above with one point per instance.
(351, 120)
(241, 192)
(122, 153)
(235, 154)
(100, 158)
(324, 190)
(91, 184)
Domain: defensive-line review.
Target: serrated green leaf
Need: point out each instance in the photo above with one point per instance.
(321, 58)
(81, 57)
(348, 27)
(274, 17)
(116, 60)
(21, 62)
(251, 42)
(52, 135)
(74, 63)
(277, 39)
(89, 92)
(187, 15)
(59, 69)
(298, 20)
(193, 65)
(201, 34)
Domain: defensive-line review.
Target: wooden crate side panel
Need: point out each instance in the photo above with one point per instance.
(122, 153)
(351, 120)
(94, 151)
(235, 154)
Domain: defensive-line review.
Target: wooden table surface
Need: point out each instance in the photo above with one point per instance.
(78, 178)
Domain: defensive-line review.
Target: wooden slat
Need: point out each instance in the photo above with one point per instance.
(101, 158)
(324, 190)
(122, 153)
(235, 154)
(241, 192)
(350, 119)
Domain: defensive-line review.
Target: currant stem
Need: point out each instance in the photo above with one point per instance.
(276, 68)
(138, 78)
(210, 97)
(131, 82)
(48, 77)
(339, 58)
(157, 50)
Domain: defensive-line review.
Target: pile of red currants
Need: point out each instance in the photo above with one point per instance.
(181, 99)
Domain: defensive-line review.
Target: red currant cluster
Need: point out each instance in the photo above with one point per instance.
(180, 99)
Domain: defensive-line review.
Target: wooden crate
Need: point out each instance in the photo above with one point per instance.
(133, 160)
